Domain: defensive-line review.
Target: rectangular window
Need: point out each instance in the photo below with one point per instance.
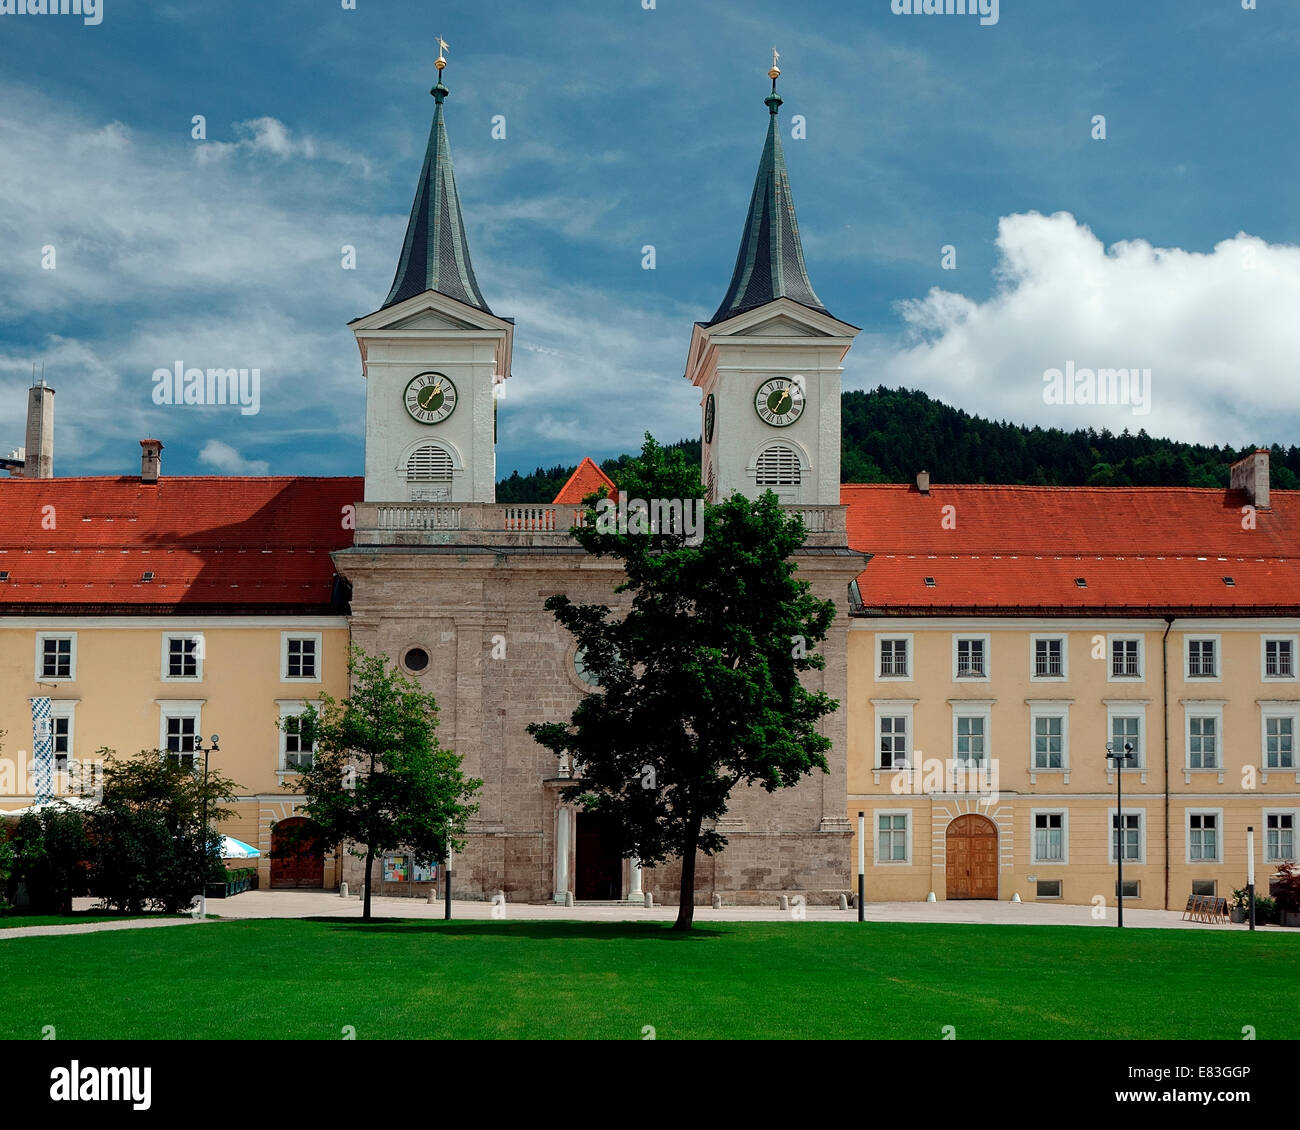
(1049, 837)
(182, 738)
(1130, 837)
(56, 657)
(1127, 728)
(970, 740)
(1049, 658)
(299, 749)
(1049, 741)
(1279, 659)
(183, 657)
(1132, 889)
(1204, 887)
(971, 659)
(893, 741)
(892, 846)
(1279, 742)
(1203, 742)
(61, 737)
(1202, 659)
(300, 657)
(1049, 889)
(1126, 659)
(893, 657)
(1279, 837)
(1203, 836)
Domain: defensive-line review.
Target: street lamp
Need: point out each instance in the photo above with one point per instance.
(1120, 759)
(212, 747)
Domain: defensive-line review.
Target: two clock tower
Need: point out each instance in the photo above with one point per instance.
(434, 355)
(767, 363)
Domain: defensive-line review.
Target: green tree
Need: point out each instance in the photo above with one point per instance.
(700, 680)
(49, 851)
(379, 778)
(149, 848)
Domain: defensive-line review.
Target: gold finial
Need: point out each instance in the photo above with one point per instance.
(775, 72)
(441, 61)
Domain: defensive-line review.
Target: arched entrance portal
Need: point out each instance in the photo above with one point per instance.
(598, 868)
(296, 858)
(972, 858)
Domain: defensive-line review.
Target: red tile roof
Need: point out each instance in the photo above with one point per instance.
(586, 479)
(1020, 549)
(241, 544)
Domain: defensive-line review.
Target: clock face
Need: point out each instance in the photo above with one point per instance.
(430, 398)
(708, 419)
(779, 402)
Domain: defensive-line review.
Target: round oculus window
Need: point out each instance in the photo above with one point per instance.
(580, 666)
(416, 659)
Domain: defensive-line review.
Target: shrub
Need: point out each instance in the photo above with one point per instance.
(49, 850)
(1285, 888)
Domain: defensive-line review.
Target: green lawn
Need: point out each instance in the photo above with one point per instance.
(544, 980)
(11, 921)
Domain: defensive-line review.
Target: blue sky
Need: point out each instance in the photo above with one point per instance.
(1170, 245)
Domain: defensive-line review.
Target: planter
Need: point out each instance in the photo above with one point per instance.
(1290, 918)
(1238, 915)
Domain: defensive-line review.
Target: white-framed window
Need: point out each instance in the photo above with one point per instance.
(1051, 840)
(1204, 736)
(63, 732)
(894, 657)
(1279, 724)
(778, 466)
(970, 657)
(1048, 658)
(970, 736)
(300, 657)
(181, 730)
(893, 836)
(1205, 835)
(1127, 723)
(1278, 658)
(56, 657)
(893, 736)
(429, 471)
(182, 658)
(296, 750)
(1279, 835)
(1201, 658)
(1050, 737)
(1127, 661)
(1133, 836)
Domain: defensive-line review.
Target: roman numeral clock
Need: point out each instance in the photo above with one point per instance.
(430, 398)
(779, 402)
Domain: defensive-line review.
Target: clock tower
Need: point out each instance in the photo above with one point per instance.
(434, 355)
(768, 363)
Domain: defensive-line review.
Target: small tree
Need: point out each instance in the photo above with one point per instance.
(700, 680)
(379, 778)
(49, 852)
(1285, 888)
(148, 845)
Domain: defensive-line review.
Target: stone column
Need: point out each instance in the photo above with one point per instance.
(635, 894)
(561, 853)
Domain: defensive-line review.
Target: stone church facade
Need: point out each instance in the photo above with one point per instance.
(451, 585)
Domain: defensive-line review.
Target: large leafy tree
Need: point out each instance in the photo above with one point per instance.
(379, 778)
(700, 679)
(149, 847)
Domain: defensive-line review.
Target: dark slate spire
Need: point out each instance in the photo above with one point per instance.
(435, 255)
(770, 264)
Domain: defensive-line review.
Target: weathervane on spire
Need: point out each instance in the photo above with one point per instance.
(441, 60)
(775, 72)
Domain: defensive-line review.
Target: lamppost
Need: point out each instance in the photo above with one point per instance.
(1250, 872)
(1120, 760)
(212, 747)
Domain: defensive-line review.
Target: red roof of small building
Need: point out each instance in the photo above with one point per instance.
(239, 544)
(586, 479)
(1022, 549)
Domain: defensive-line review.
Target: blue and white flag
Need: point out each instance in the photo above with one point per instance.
(42, 750)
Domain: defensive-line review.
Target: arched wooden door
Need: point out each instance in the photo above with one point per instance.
(598, 866)
(972, 858)
(296, 858)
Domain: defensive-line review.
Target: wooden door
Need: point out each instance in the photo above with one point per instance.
(972, 858)
(296, 858)
(598, 866)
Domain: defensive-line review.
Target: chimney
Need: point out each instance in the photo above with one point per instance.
(39, 454)
(1250, 474)
(923, 482)
(150, 460)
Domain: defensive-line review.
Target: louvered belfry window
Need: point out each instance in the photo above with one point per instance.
(778, 466)
(428, 474)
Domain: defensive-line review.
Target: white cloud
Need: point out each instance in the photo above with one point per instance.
(1217, 330)
(229, 461)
